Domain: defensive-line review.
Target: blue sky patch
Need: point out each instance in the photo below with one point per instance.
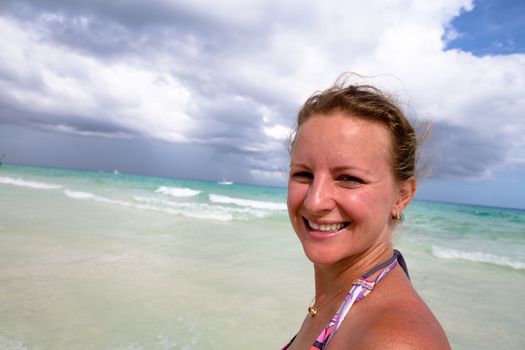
(491, 28)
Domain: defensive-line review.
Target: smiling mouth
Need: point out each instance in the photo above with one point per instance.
(329, 228)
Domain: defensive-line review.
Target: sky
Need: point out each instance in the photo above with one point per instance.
(185, 89)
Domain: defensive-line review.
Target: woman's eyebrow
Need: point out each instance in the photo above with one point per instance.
(341, 168)
(299, 164)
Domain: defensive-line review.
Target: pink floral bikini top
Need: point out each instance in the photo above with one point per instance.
(360, 289)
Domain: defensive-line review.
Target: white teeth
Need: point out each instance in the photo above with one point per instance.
(326, 228)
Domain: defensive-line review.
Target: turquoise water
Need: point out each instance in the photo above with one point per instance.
(113, 261)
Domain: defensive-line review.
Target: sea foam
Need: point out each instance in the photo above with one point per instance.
(196, 214)
(247, 202)
(205, 208)
(92, 196)
(447, 253)
(177, 191)
(26, 183)
(79, 194)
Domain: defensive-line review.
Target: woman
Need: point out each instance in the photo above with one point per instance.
(352, 173)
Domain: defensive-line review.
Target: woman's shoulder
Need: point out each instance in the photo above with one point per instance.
(402, 320)
(393, 317)
(408, 325)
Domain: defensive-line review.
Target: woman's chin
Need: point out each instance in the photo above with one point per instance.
(322, 256)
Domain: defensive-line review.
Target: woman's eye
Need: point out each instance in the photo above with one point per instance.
(302, 176)
(350, 180)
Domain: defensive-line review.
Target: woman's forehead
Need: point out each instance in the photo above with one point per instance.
(343, 133)
(342, 139)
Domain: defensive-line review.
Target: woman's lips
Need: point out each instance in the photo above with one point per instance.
(324, 230)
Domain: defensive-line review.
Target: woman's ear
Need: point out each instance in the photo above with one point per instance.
(407, 191)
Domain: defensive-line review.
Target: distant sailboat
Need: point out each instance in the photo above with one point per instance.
(224, 182)
(116, 172)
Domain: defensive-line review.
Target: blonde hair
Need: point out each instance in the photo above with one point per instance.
(369, 103)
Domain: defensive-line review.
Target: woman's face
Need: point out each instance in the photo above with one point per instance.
(341, 189)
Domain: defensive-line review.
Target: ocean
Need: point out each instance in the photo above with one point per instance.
(92, 260)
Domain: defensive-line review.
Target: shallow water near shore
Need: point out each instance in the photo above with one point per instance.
(113, 261)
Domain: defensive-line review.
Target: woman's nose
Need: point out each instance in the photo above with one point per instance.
(319, 197)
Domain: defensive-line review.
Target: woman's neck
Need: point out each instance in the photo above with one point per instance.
(334, 278)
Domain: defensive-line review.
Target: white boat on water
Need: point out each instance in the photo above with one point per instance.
(224, 182)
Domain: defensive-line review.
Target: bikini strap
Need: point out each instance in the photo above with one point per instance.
(402, 263)
(367, 284)
(384, 264)
(360, 289)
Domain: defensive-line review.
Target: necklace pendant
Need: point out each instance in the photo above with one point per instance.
(312, 311)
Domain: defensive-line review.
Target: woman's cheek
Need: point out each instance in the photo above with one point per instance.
(297, 193)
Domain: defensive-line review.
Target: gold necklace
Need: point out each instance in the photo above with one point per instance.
(312, 311)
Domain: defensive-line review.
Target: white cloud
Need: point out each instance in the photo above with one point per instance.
(234, 75)
(49, 79)
(277, 132)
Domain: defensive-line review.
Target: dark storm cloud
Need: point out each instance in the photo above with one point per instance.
(123, 29)
(114, 27)
(463, 152)
(273, 161)
(74, 124)
(244, 119)
(136, 156)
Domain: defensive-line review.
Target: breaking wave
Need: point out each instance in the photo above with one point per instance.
(26, 183)
(239, 213)
(247, 202)
(196, 214)
(88, 195)
(447, 253)
(177, 191)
